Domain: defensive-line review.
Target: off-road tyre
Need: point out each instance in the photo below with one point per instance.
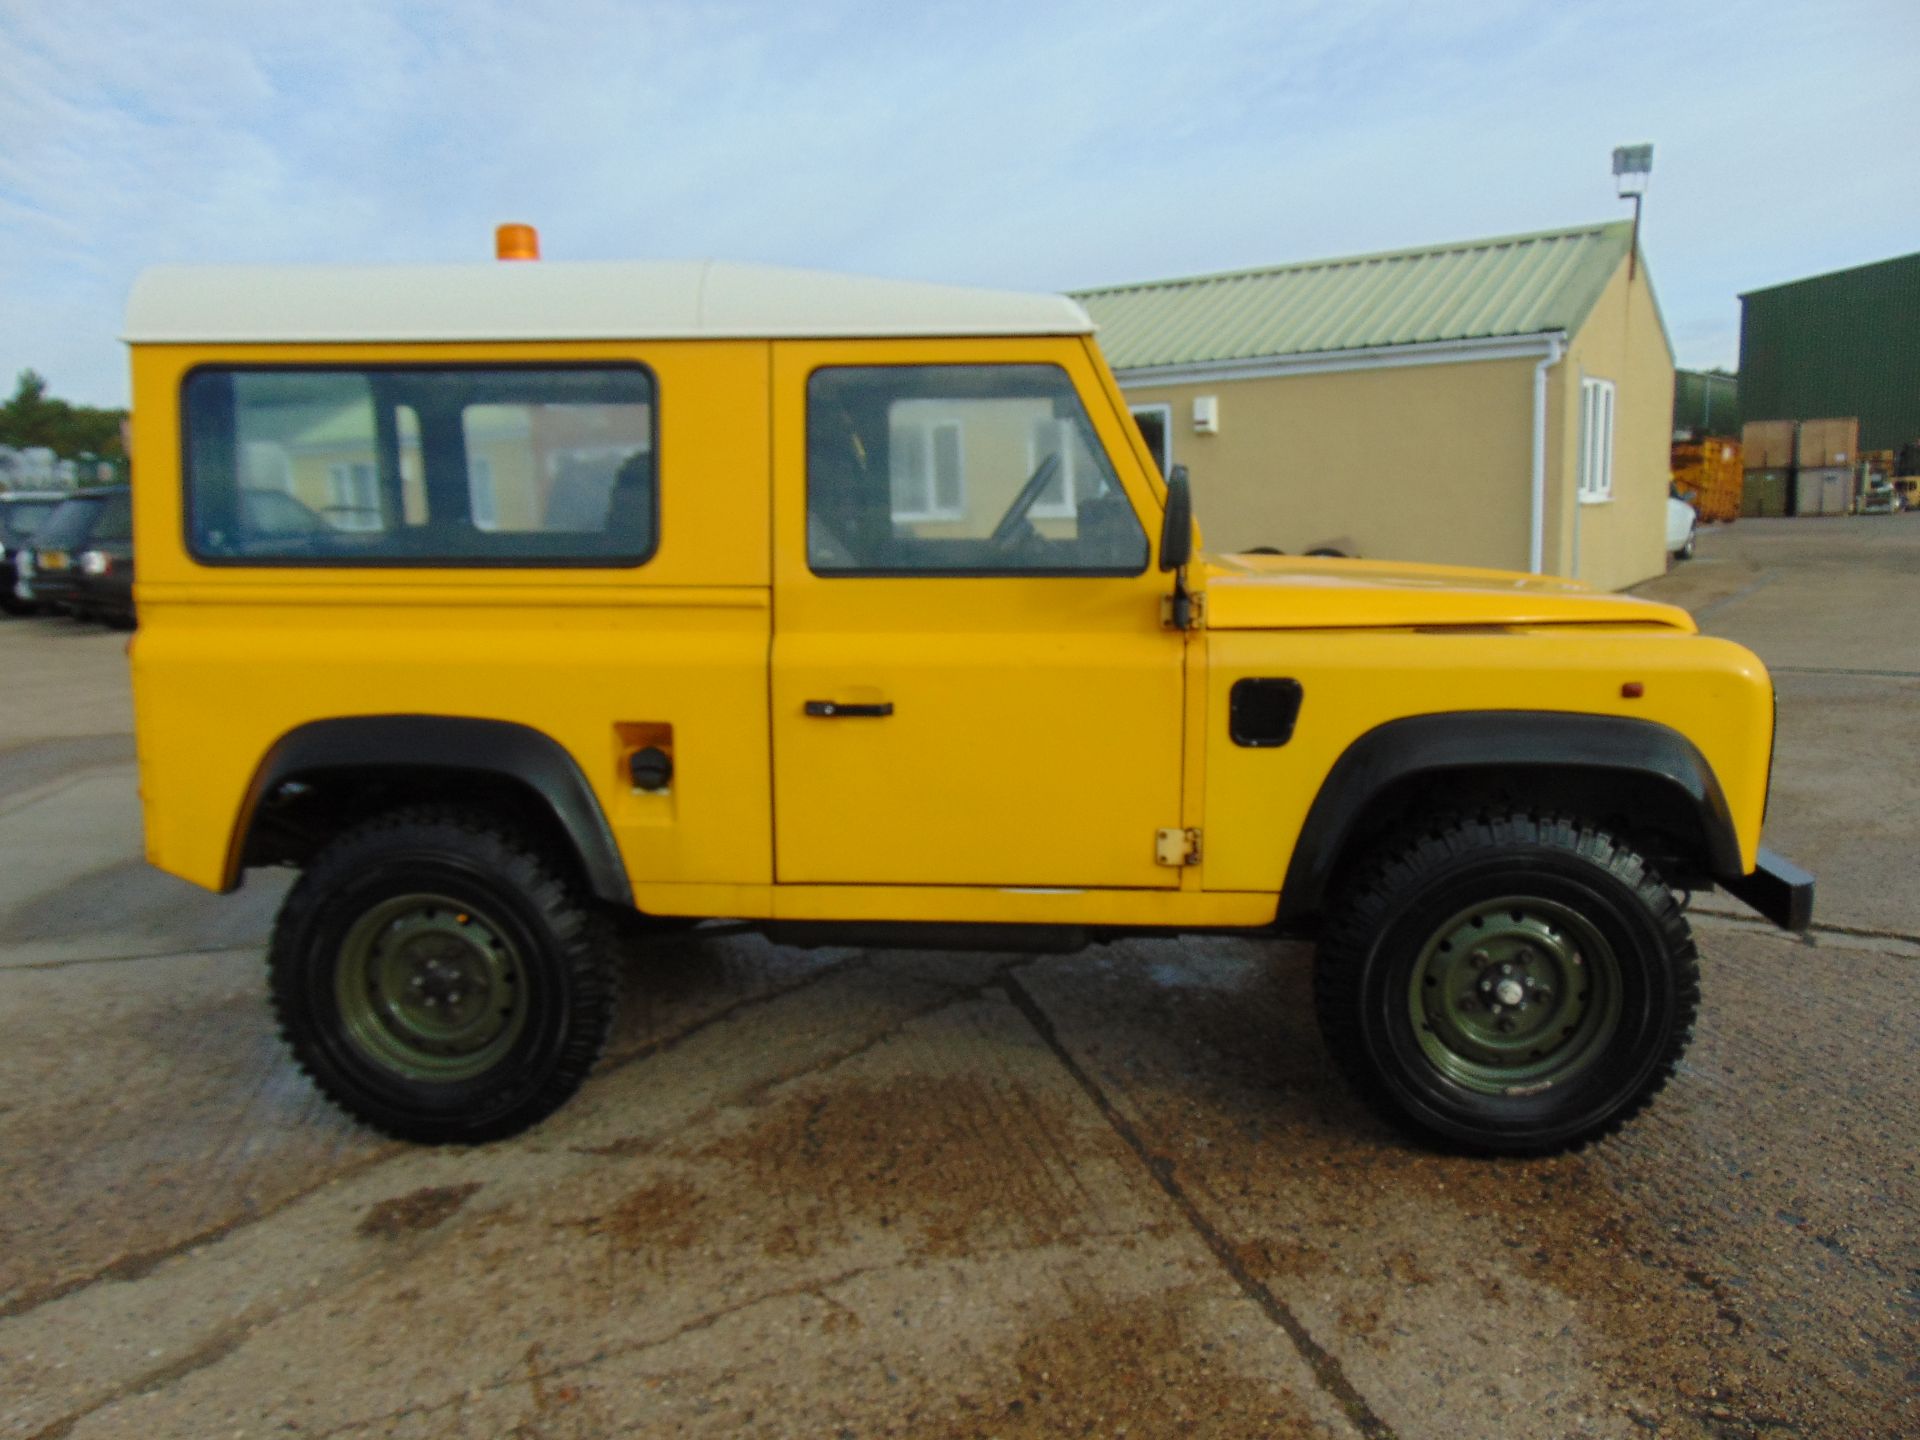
(417, 894)
(1402, 955)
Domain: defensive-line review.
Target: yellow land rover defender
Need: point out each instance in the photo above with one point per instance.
(510, 602)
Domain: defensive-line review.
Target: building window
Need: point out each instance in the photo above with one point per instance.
(1052, 439)
(1596, 441)
(481, 501)
(1156, 426)
(353, 497)
(927, 466)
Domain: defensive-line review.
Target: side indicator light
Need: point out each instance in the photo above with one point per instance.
(1632, 690)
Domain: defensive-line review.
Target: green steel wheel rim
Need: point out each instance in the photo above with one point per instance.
(430, 988)
(1515, 995)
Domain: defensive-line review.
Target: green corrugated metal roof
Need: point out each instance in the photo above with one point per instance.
(1515, 285)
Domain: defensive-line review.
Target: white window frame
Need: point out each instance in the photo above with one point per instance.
(924, 481)
(353, 488)
(1068, 506)
(1165, 412)
(1598, 400)
(483, 505)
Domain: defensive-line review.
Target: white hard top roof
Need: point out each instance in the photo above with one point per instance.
(568, 300)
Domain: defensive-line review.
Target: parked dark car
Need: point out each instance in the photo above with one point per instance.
(103, 582)
(97, 521)
(21, 514)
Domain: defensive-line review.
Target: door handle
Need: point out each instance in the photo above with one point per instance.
(842, 710)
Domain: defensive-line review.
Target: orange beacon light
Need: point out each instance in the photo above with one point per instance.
(516, 242)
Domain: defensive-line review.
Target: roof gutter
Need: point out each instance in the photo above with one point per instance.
(1537, 533)
(1321, 362)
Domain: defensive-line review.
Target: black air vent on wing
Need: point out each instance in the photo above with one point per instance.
(1261, 713)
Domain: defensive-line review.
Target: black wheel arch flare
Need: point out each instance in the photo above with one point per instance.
(1511, 742)
(450, 745)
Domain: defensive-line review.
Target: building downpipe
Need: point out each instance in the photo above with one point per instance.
(1537, 545)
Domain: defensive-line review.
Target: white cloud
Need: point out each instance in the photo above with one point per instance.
(1014, 144)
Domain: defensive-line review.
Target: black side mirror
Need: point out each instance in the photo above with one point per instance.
(1176, 527)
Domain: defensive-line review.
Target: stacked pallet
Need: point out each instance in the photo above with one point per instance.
(1768, 448)
(1823, 475)
(1800, 467)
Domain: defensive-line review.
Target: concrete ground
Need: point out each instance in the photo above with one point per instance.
(897, 1193)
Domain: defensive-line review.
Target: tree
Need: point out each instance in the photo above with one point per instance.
(32, 417)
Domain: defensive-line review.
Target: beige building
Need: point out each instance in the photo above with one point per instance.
(1501, 402)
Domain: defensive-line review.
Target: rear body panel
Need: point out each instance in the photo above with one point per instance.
(603, 660)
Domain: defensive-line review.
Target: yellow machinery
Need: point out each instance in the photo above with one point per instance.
(1709, 475)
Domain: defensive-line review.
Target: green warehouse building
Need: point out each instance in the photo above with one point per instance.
(1845, 344)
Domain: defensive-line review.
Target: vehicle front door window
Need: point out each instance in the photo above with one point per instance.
(961, 470)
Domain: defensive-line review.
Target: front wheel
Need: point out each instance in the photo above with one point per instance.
(1509, 984)
(439, 980)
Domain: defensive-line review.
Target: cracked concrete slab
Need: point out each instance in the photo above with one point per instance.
(886, 1167)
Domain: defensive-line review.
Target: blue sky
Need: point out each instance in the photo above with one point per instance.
(1035, 145)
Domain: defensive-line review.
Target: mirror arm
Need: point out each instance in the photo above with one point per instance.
(1176, 549)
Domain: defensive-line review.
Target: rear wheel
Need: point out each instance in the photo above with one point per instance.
(1511, 984)
(439, 980)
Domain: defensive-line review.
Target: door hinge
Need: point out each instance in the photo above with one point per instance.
(1177, 847)
(1183, 610)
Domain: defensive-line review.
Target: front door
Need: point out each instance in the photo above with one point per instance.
(971, 681)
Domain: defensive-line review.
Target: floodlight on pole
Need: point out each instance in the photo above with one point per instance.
(1632, 168)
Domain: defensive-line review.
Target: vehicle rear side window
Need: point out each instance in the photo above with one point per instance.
(69, 525)
(427, 466)
(961, 470)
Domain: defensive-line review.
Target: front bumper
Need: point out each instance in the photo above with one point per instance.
(1778, 889)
